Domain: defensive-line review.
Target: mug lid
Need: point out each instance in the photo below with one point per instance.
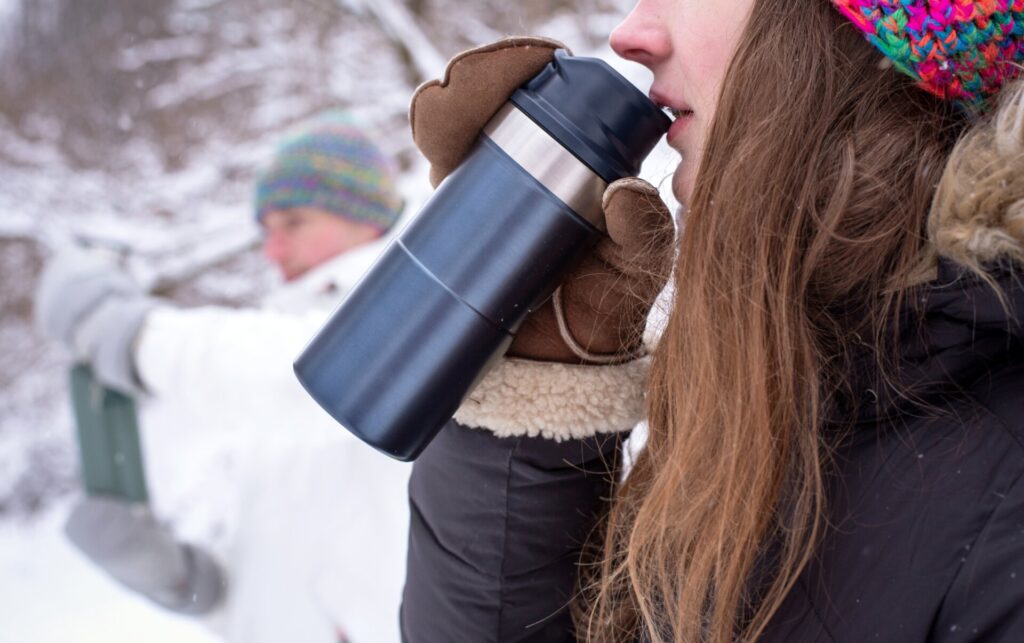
(595, 113)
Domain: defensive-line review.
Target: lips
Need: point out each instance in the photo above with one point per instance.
(675, 109)
(677, 127)
(676, 114)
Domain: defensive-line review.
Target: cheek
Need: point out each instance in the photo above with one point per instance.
(709, 50)
(707, 67)
(317, 247)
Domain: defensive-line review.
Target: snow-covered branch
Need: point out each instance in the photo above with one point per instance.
(396, 20)
(154, 268)
(185, 266)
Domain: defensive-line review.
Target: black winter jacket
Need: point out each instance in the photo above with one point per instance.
(926, 505)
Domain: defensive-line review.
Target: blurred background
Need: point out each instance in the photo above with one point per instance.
(139, 125)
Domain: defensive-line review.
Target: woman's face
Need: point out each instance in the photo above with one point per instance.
(688, 44)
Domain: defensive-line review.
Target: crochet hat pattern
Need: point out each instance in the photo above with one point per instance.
(959, 50)
(328, 163)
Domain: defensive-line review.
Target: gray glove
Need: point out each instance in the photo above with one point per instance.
(127, 542)
(94, 310)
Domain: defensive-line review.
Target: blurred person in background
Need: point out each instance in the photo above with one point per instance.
(295, 530)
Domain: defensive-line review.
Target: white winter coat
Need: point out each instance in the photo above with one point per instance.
(309, 522)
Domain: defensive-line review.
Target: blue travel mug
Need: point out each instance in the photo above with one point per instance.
(445, 299)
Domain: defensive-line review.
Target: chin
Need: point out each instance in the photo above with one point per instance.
(682, 184)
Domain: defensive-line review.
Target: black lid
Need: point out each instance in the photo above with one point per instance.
(595, 113)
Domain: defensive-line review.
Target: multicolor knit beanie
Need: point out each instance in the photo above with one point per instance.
(328, 163)
(959, 50)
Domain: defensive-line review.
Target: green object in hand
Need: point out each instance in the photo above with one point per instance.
(108, 439)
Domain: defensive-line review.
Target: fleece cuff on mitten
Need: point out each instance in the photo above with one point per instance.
(556, 401)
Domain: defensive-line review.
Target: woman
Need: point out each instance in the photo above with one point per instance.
(835, 406)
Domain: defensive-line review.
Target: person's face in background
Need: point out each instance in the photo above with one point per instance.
(688, 44)
(300, 239)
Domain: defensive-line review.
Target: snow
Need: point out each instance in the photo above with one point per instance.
(154, 51)
(396, 20)
(50, 594)
(7, 9)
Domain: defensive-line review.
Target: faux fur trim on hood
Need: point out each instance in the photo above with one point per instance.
(978, 213)
(556, 401)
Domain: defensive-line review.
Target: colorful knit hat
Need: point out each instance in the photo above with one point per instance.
(959, 50)
(328, 163)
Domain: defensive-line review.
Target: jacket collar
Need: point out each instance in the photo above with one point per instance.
(976, 229)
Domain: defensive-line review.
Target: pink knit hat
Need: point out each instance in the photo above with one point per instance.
(959, 50)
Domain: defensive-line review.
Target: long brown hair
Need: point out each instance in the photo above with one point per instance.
(809, 204)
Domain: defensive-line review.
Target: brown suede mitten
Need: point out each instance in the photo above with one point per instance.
(447, 115)
(606, 296)
(598, 313)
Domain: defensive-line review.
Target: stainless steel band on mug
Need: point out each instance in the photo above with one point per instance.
(547, 161)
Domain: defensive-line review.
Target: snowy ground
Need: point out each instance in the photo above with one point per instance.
(50, 594)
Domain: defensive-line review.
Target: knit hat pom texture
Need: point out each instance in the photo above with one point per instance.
(960, 50)
(328, 163)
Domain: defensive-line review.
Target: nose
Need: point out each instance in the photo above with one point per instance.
(643, 36)
(274, 248)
